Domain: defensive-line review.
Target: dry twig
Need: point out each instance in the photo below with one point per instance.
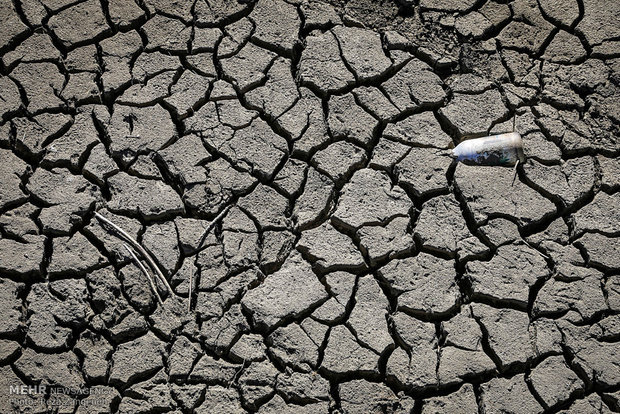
(189, 295)
(139, 248)
(212, 224)
(202, 239)
(146, 273)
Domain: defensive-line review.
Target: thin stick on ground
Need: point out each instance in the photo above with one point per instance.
(139, 248)
(212, 224)
(146, 273)
(189, 295)
(202, 239)
(537, 251)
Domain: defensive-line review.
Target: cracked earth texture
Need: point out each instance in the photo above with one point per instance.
(356, 269)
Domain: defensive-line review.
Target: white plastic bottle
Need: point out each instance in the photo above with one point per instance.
(503, 149)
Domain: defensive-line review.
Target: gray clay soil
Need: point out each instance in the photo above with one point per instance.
(354, 268)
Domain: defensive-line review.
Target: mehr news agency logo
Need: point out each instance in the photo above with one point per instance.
(52, 396)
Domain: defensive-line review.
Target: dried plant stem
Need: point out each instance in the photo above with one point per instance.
(202, 239)
(139, 248)
(189, 295)
(536, 250)
(212, 224)
(146, 273)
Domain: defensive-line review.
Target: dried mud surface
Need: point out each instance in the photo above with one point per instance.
(352, 267)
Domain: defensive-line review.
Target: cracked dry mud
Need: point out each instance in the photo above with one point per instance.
(357, 269)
